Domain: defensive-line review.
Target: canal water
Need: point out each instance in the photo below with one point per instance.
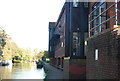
(22, 71)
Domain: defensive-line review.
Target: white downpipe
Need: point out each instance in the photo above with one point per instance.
(116, 13)
(89, 26)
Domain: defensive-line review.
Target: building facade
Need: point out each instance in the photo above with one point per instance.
(51, 48)
(103, 56)
(80, 56)
(68, 39)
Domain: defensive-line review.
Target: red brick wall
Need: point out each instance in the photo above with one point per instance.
(108, 43)
(75, 68)
(60, 51)
(108, 64)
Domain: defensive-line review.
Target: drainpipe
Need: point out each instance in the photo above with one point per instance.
(116, 26)
(116, 12)
(89, 25)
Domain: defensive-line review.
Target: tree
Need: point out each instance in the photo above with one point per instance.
(40, 54)
(46, 54)
(10, 51)
(3, 39)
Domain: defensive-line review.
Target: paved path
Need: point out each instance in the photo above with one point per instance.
(53, 73)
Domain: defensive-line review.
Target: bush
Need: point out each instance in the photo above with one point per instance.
(47, 61)
(16, 61)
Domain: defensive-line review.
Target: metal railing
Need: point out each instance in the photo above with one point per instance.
(91, 19)
(102, 12)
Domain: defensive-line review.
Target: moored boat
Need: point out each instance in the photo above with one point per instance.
(39, 64)
(4, 63)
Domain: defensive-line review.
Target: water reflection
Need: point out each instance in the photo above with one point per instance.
(22, 71)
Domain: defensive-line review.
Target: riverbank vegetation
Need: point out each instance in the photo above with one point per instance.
(9, 50)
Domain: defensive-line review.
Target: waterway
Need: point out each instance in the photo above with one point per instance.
(22, 71)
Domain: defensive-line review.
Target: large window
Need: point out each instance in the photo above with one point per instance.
(76, 43)
(75, 3)
(98, 18)
(102, 16)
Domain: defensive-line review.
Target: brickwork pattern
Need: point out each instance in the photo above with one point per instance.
(74, 69)
(107, 66)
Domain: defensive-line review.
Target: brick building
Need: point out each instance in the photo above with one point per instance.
(67, 40)
(103, 56)
(51, 39)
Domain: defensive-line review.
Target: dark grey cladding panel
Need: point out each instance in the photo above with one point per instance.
(84, 18)
(79, 18)
(51, 24)
(75, 18)
(67, 30)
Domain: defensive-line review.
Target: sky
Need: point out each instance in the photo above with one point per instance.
(26, 21)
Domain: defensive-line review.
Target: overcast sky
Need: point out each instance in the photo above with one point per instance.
(26, 21)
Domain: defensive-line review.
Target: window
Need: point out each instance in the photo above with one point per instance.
(75, 3)
(62, 44)
(76, 43)
(86, 4)
(97, 18)
(96, 54)
(50, 48)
